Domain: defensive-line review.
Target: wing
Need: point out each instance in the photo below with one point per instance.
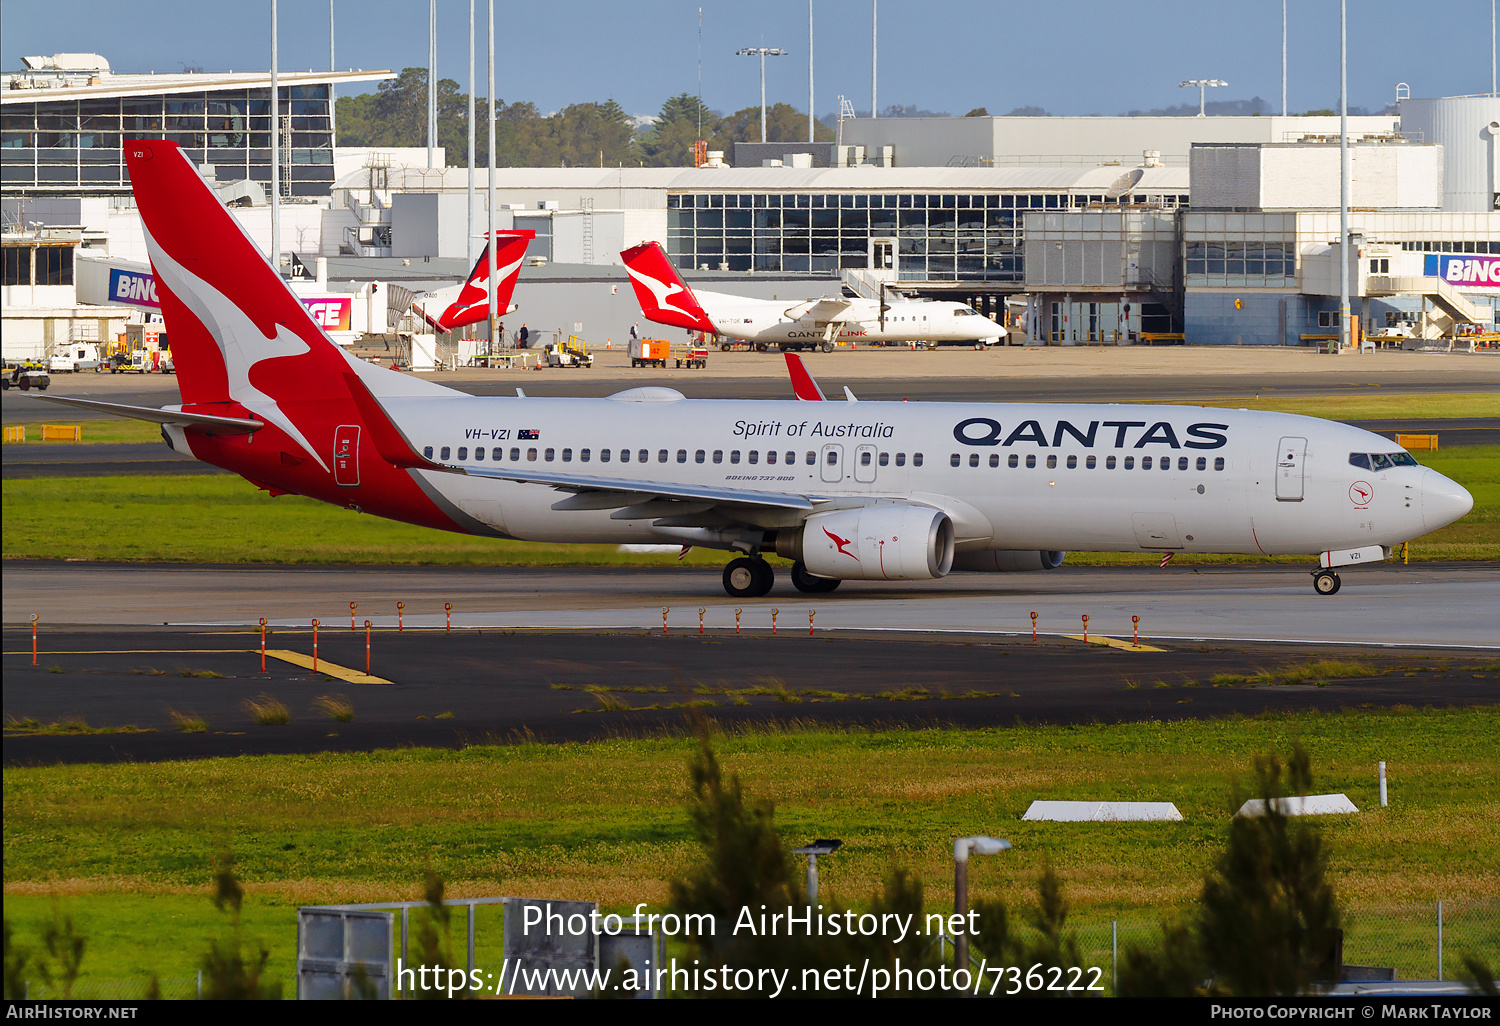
(830, 309)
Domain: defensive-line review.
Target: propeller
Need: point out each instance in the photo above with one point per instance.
(884, 306)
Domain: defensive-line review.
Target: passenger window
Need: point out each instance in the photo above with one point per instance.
(603, 453)
(624, 453)
(1030, 456)
(583, 454)
(900, 456)
(973, 459)
(549, 453)
(718, 453)
(681, 453)
(791, 459)
(661, 457)
(1090, 462)
(463, 450)
(697, 456)
(885, 457)
(1052, 461)
(994, 459)
(1218, 460)
(1109, 463)
(754, 453)
(530, 453)
(1129, 460)
(952, 460)
(1166, 463)
(444, 454)
(1145, 460)
(479, 450)
(427, 452)
(833, 457)
(734, 454)
(812, 457)
(515, 454)
(1014, 460)
(1182, 463)
(567, 453)
(1072, 462)
(770, 455)
(916, 457)
(1202, 462)
(644, 456)
(497, 454)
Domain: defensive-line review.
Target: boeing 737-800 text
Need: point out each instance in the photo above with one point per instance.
(847, 490)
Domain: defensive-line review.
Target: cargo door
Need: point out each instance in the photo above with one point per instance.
(1155, 530)
(864, 464)
(346, 455)
(833, 463)
(1291, 458)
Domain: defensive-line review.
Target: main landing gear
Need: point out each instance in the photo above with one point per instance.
(1326, 582)
(748, 577)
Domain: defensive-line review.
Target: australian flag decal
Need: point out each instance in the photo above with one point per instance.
(528, 434)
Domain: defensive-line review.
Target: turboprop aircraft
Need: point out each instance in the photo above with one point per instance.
(449, 308)
(814, 324)
(850, 490)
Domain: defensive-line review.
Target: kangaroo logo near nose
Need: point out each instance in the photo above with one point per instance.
(1361, 492)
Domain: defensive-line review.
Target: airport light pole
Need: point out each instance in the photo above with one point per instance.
(810, 116)
(489, 238)
(1343, 174)
(874, 55)
(469, 252)
(1202, 84)
(822, 846)
(962, 848)
(1283, 58)
(762, 52)
(275, 149)
(431, 80)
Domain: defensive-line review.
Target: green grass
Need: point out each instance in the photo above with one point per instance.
(99, 431)
(126, 848)
(1377, 407)
(227, 520)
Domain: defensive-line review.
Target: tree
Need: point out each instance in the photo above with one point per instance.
(1267, 921)
(978, 112)
(228, 973)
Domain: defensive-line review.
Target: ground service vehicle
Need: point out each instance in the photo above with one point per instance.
(883, 491)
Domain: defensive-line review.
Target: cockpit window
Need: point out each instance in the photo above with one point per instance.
(965, 311)
(1381, 461)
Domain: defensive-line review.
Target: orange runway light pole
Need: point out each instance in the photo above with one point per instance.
(1085, 626)
(774, 611)
(1033, 626)
(352, 607)
(810, 614)
(315, 644)
(263, 644)
(664, 611)
(448, 616)
(400, 609)
(33, 639)
(367, 648)
(736, 619)
(1135, 628)
(701, 611)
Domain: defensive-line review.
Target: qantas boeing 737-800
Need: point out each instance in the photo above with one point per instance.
(814, 324)
(848, 490)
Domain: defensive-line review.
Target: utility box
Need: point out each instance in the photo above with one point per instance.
(343, 954)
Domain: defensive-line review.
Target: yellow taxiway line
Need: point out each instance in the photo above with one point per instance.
(1099, 639)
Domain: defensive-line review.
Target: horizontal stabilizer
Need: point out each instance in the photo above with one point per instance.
(207, 422)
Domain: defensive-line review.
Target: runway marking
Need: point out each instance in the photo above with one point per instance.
(324, 666)
(1114, 643)
(285, 655)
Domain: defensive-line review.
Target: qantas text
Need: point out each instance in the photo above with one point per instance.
(984, 431)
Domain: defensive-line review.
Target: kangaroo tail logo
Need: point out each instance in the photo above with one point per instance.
(839, 544)
(663, 295)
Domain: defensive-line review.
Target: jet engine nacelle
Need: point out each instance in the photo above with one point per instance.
(889, 542)
(1002, 561)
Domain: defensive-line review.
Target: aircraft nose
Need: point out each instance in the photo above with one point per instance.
(1443, 500)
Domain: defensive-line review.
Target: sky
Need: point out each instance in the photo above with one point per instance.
(1066, 56)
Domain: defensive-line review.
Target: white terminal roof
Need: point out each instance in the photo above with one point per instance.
(864, 178)
(44, 87)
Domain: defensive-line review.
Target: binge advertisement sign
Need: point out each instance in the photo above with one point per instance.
(137, 288)
(1464, 271)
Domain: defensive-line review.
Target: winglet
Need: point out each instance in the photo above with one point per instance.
(802, 382)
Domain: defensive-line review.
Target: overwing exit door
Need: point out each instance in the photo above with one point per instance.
(1291, 459)
(833, 462)
(346, 455)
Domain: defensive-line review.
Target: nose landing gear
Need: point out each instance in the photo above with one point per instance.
(1326, 582)
(748, 577)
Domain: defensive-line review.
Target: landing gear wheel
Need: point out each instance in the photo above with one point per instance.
(748, 577)
(827, 347)
(806, 582)
(1326, 582)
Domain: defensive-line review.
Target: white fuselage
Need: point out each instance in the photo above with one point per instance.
(798, 324)
(1010, 476)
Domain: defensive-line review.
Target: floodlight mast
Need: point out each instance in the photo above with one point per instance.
(822, 846)
(762, 52)
(1202, 84)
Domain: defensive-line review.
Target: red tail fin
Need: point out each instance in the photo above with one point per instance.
(472, 304)
(802, 382)
(663, 295)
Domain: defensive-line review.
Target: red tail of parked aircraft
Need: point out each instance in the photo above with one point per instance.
(471, 306)
(664, 296)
